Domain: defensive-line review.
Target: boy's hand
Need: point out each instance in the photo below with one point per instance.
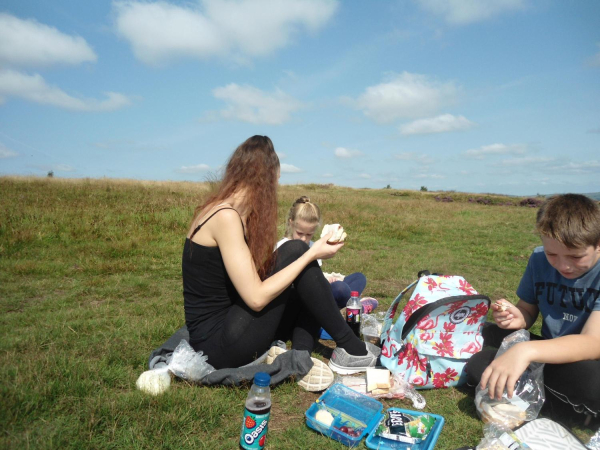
(508, 316)
(504, 371)
(322, 250)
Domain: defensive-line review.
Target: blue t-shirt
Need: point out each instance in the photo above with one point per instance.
(564, 304)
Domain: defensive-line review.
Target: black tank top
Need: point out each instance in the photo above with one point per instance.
(207, 289)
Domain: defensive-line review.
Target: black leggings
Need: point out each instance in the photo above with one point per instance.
(576, 383)
(298, 313)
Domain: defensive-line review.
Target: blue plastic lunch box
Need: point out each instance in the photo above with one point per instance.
(362, 414)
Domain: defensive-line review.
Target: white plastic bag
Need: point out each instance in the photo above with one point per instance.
(399, 388)
(185, 364)
(189, 365)
(371, 325)
(528, 395)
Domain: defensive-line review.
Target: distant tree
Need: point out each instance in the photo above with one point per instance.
(423, 188)
(388, 187)
(50, 173)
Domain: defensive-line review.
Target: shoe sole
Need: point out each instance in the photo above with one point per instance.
(319, 378)
(342, 370)
(273, 353)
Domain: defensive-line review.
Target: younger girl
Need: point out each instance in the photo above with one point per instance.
(303, 220)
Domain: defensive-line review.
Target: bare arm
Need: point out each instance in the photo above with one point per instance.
(515, 317)
(506, 370)
(226, 230)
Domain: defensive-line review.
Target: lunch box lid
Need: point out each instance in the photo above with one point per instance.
(376, 442)
(359, 408)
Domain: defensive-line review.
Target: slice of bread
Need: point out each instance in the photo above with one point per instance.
(378, 379)
(339, 235)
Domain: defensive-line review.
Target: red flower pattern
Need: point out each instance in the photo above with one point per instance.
(441, 379)
(431, 284)
(478, 311)
(466, 287)
(455, 306)
(445, 347)
(413, 304)
(393, 313)
(449, 327)
(426, 336)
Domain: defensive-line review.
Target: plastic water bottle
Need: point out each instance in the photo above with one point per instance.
(353, 313)
(257, 412)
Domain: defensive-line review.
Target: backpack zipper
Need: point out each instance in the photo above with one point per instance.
(425, 310)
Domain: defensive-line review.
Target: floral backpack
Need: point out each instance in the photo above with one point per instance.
(436, 333)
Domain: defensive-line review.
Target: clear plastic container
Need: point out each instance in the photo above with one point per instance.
(361, 415)
(349, 409)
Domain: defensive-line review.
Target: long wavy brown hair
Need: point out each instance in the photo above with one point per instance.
(254, 168)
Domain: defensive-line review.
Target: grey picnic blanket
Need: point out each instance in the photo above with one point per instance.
(291, 363)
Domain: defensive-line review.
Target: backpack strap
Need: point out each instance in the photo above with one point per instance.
(391, 312)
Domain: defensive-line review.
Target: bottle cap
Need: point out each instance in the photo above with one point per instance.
(353, 293)
(262, 379)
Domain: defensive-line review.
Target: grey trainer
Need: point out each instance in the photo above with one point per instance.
(345, 364)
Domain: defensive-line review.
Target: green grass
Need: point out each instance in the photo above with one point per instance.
(90, 283)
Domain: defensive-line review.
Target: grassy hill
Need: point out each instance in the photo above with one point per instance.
(90, 283)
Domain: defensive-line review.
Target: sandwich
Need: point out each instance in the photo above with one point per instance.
(339, 235)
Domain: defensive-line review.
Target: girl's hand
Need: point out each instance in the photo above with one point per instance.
(507, 316)
(322, 250)
(504, 371)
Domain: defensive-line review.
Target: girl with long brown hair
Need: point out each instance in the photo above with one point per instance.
(237, 295)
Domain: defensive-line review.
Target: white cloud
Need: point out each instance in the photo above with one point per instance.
(439, 124)
(159, 31)
(495, 149)
(526, 161)
(252, 105)
(35, 89)
(193, 169)
(345, 153)
(27, 43)
(366, 176)
(551, 166)
(433, 176)
(579, 168)
(462, 12)
(414, 156)
(63, 168)
(327, 175)
(6, 152)
(594, 61)
(562, 166)
(281, 155)
(288, 168)
(405, 96)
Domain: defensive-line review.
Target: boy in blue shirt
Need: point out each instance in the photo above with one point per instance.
(562, 283)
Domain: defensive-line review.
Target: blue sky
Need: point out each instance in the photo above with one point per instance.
(499, 96)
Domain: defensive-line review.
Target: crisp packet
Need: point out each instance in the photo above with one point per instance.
(399, 426)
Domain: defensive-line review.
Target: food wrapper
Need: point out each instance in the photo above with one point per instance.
(399, 388)
(402, 427)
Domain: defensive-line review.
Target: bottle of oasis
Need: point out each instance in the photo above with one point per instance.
(256, 414)
(353, 313)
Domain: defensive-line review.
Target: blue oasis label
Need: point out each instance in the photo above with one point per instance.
(254, 430)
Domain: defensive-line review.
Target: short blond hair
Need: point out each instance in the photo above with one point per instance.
(571, 219)
(302, 209)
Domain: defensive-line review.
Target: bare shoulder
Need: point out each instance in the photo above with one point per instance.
(226, 215)
(226, 220)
